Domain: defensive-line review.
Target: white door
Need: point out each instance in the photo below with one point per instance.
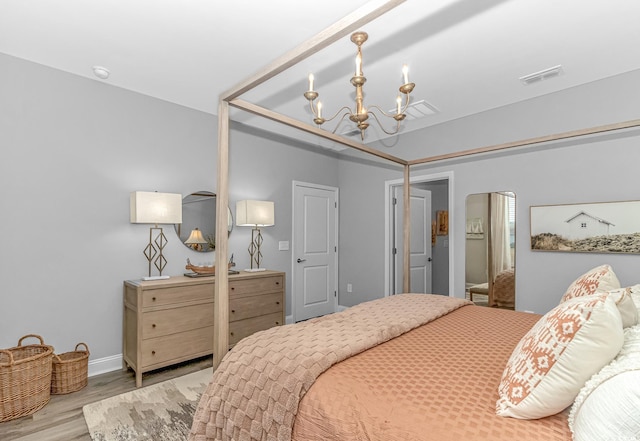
(420, 252)
(315, 250)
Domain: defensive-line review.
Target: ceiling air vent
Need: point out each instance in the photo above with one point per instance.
(546, 74)
(418, 109)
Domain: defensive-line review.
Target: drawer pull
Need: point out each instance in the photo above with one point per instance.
(277, 303)
(277, 323)
(153, 299)
(231, 333)
(233, 311)
(153, 325)
(232, 288)
(153, 352)
(277, 283)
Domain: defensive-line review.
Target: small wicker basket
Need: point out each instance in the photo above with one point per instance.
(25, 379)
(69, 371)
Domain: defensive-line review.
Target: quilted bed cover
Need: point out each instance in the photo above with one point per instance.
(437, 382)
(255, 391)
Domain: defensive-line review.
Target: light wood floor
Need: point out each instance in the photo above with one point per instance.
(62, 419)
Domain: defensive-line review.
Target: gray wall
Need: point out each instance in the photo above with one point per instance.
(72, 151)
(587, 169)
(74, 148)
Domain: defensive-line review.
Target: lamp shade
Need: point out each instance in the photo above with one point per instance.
(195, 237)
(148, 207)
(254, 213)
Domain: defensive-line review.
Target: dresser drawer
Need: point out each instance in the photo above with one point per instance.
(249, 287)
(243, 328)
(174, 320)
(252, 306)
(177, 347)
(176, 294)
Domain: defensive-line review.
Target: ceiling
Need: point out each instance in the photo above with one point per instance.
(464, 56)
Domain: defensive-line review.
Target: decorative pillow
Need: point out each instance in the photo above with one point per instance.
(558, 355)
(598, 279)
(635, 296)
(607, 406)
(626, 306)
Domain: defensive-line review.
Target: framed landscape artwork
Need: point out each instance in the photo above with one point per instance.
(604, 227)
(443, 222)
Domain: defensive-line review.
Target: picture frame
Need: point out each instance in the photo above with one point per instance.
(597, 227)
(442, 217)
(475, 228)
(433, 233)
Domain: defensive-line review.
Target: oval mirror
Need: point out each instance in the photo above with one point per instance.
(198, 228)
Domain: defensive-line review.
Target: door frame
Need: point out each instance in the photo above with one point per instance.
(336, 192)
(388, 224)
(397, 238)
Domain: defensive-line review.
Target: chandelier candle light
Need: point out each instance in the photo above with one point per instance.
(361, 113)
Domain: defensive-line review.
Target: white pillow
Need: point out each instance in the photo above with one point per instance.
(558, 355)
(626, 306)
(599, 279)
(608, 406)
(635, 296)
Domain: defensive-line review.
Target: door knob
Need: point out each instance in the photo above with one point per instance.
(301, 260)
(429, 259)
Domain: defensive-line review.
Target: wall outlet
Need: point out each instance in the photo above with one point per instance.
(349, 287)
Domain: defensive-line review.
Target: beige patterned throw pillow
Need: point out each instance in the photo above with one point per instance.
(558, 355)
(598, 279)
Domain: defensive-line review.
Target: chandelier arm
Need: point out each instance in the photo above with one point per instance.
(344, 115)
(406, 103)
(381, 126)
(313, 110)
(338, 112)
(390, 115)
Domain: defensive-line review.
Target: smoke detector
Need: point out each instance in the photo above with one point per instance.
(101, 72)
(545, 74)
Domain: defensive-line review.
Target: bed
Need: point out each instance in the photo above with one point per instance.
(496, 397)
(430, 367)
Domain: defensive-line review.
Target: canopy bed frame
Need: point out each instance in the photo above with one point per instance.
(325, 38)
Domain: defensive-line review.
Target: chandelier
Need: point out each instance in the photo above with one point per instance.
(361, 114)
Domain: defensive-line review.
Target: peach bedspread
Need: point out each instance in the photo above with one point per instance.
(437, 382)
(255, 392)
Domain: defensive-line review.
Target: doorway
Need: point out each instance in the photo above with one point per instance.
(420, 247)
(315, 250)
(442, 264)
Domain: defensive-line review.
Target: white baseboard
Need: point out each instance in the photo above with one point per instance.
(104, 365)
(342, 308)
(288, 319)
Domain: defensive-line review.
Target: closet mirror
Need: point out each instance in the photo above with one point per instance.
(490, 249)
(198, 228)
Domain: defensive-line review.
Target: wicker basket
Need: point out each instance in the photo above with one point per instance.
(25, 379)
(69, 372)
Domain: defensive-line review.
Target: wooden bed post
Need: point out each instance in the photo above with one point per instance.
(221, 290)
(406, 228)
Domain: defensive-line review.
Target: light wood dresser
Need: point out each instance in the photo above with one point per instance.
(169, 321)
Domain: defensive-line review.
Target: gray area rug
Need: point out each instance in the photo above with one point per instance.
(163, 411)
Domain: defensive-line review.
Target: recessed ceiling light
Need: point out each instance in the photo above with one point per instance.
(546, 74)
(101, 72)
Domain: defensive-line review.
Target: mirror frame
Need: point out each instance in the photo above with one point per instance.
(203, 219)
